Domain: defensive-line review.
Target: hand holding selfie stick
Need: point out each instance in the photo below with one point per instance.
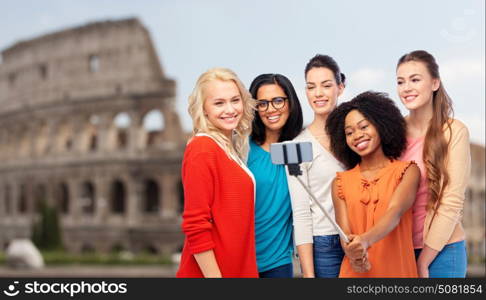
(291, 154)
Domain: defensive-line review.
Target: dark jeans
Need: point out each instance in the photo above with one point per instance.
(328, 256)
(284, 271)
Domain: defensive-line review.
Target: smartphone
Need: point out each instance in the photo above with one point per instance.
(288, 153)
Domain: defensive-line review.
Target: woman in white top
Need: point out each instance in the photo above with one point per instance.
(317, 241)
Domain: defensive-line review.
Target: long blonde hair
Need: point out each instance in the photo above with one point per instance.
(239, 145)
(435, 145)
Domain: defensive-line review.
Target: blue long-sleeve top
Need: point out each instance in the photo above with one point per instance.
(273, 210)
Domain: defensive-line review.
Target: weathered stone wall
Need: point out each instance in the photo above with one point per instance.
(474, 210)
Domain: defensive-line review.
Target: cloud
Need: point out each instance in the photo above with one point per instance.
(367, 79)
(463, 70)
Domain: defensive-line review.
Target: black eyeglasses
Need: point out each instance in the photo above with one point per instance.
(277, 103)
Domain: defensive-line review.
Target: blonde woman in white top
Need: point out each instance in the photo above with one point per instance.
(317, 241)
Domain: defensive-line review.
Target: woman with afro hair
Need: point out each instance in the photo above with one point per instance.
(373, 198)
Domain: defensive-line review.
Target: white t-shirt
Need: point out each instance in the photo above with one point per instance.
(318, 175)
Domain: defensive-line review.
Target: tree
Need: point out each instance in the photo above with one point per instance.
(46, 233)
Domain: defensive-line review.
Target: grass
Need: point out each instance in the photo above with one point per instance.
(55, 258)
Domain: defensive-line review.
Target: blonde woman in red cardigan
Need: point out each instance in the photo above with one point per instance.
(219, 190)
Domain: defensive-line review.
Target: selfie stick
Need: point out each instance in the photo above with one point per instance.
(294, 169)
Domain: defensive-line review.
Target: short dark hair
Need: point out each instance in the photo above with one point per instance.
(379, 110)
(293, 126)
(325, 61)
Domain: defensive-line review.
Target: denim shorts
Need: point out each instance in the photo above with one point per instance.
(328, 256)
(451, 262)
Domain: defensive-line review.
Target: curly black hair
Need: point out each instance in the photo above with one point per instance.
(379, 110)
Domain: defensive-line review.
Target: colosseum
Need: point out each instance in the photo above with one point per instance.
(88, 124)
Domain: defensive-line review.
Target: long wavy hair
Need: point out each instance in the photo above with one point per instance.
(238, 146)
(435, 145)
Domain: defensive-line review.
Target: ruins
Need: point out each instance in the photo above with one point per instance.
(75, 131)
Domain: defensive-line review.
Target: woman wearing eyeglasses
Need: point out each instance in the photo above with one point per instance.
(318, 244)
(278, 118)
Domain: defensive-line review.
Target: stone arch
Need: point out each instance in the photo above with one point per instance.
(150, 249)
(153, 120)
(468, 209)
(481, 201)
(180, 192)
(117, 247)
(13, 142)
(64, 137)
(41, 139)
(87, 248)
(62, 201)
(43, 71)
(151, 196)
(89, 134)
(12, 79)
(40, 197)
(3, 143)
(469, 193)
(8, 199)
(94, 63)
(93, 141)
(470, 249)
(121, 123)
(118, 197)
(24, 143)
(88, 203)
(153, 123)
(23, 208)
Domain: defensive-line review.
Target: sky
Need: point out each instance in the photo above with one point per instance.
(252, 37)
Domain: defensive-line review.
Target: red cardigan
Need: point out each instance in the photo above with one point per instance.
(218, 211)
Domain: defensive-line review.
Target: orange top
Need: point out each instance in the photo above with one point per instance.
(366, 202)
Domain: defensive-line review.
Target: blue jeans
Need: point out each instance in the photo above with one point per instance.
(328, 256)
(451, 262)
(284, 271)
